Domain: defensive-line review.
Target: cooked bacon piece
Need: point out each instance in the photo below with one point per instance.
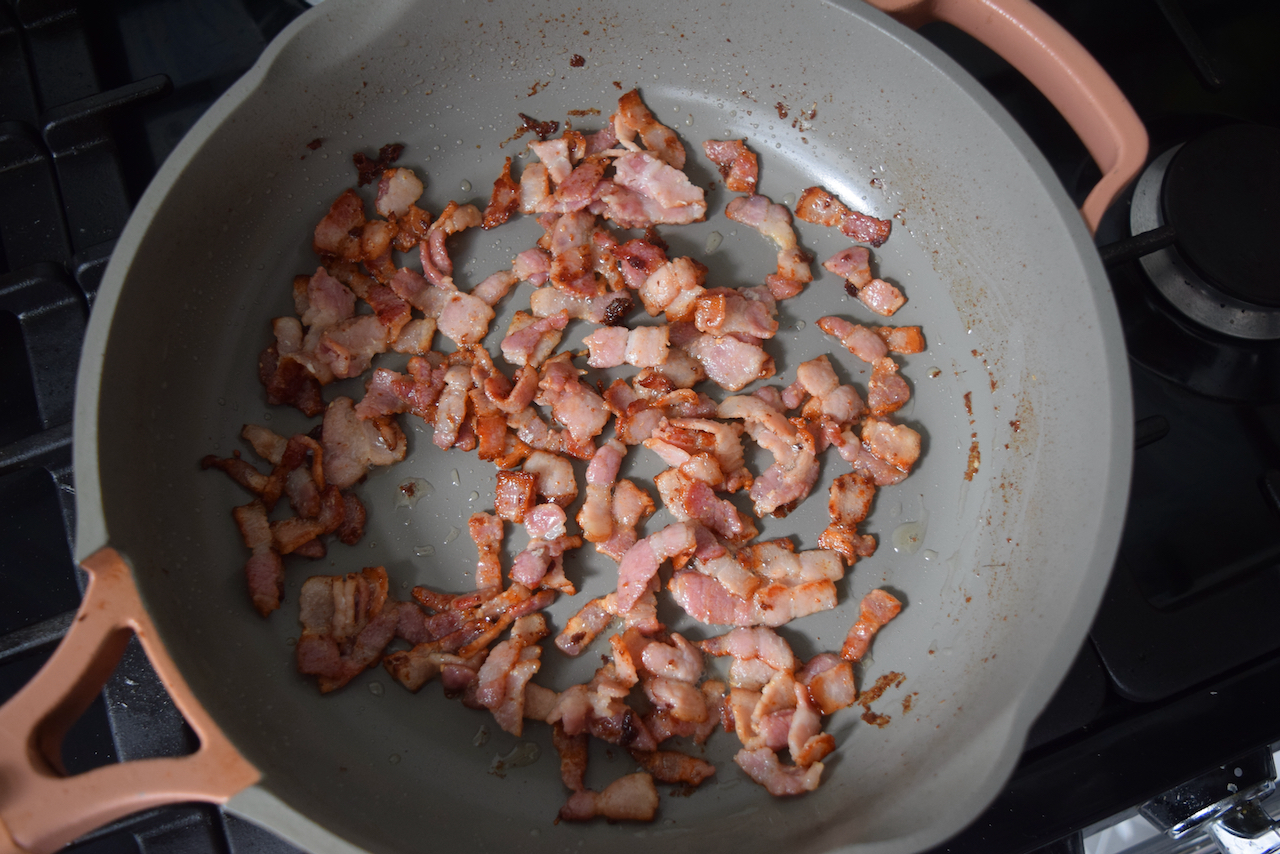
(639, 259)
(692, 500)
(535, 186)
(451, 405)
(850, 501)
(348, 347)
(765, 584)
(554, 477)
(486, 531)
(877, 608)
(288, 382)
(573, 756)
(578, 188)
(575, 406)
(753, 644)
(531, 341)
(895, 444)
(596, 516)
(243, 473)
(515, 495)
(738, 165)
(629, 798)
(672, 766)
(505, 199)
(852, 264)
(725, 311)
(640, 564)
(540, 564)
(337, 235)
(817, 206)
(452, 220)
(831, 403)
(830, 682)
(779, 780)
(854, 451)
(586, 625)
(501, 680)
(263, 571)
(572, 263)
(686, 444)
(633, 118)
(532, 266)
(886, 391)
(902, 339)
(608, 308)
(881, 297)
(346, 624)
(556, 156)
(645, 192)
(674, 288)
(774, 222)
(631, 504)
(729, 361)
(795, 467)
(859, 340)
(644, 346)
(353, 445)
(398, 190)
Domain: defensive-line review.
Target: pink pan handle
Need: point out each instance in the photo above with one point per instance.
(1059, 67)
(41, 808)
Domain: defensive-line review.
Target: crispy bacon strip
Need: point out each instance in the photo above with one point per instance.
(818, 206)
(505, 199)
(738, 165)
(877, 608)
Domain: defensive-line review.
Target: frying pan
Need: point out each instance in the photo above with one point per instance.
(1021, 398)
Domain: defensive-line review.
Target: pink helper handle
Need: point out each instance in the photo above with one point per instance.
(1062, 70)
(41, 808)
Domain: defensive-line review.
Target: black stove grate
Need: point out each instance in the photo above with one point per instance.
(95, 96)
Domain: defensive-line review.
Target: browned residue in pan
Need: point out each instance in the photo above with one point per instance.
(892, 679)
(975, 458)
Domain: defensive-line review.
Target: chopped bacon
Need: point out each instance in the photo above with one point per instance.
(780, 780)
(535, 186)
(895, 444)
(902, 339)
(881, 297)
(640, 564)
(629, 798)
(795, 467)
(886, 391)
(437, 266)
(877, 608)
(346, 623)
(586, 625)
(852, 264)
(639, 260)
(830, 682)
(704, 448)
(353, 445)
(369, 168)
(674, 288)
(817, 206)
(725, 311)
(672, 766)
(486, 531)
(505, 199)
(398, 190)
(761, 585)
(554, 477)
(596, 516)
(858, 340)
(337, 235)
(631, 504)
(729, 361)
(532, 266)
(501, 680)
(263, 571)
(633, 118)
(644, 346)
(531, 341)
(575, 406)
(645, 191)
(774, 222)
(850, 501)
(738, 165)
(689, 499)
(572, 264)
(515, 495)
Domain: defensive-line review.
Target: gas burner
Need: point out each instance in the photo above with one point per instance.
(1218, 193)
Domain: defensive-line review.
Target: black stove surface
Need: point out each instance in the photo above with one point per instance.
(1181, 671)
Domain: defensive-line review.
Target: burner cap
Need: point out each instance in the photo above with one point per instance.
(1221, 194)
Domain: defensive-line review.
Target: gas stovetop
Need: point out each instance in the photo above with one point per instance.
(1180, 673)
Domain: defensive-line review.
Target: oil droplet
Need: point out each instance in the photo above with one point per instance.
(790, 198)
(424, 551)
(800, 324)
(929, 554)
(522, 754)
(465, 186)
(457, 479)
(376, 689)
(908, 536)
(688, 122)
(474, 495)
(394, 759)
(452, 535)
(411, 490)
(714, 239)
(481, 737)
